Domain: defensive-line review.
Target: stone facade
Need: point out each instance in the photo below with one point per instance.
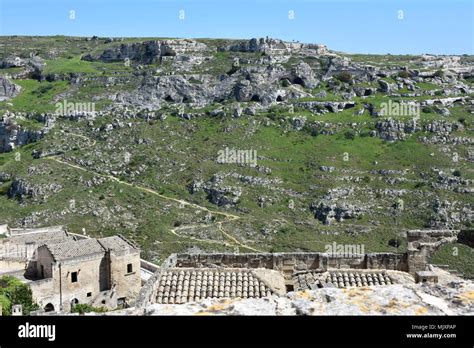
(101, 272)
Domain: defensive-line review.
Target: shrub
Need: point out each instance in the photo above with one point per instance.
(233, 70)
(394, 242)
(439, 73)
(457, 173)
(285, 83)
(85, 308)
(344, 76)
(43, 89)
(420, 184)
(403, 74)
(427, 109)
(314, 132)
(350, 134)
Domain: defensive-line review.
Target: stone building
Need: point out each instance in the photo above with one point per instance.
(64, 268)
(18, 245)
(100, 272)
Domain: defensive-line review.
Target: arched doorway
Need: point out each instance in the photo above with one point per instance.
(49, 307)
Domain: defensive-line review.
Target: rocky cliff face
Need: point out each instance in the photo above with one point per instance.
(274, 46)
(149, 52)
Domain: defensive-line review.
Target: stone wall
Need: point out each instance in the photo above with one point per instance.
(422, 243)
(44, 292)
(12, 265)
(148, 291)
(126, 284)
(293, 262)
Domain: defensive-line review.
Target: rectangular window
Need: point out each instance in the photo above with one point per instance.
(129, 268)
(122, 302)
(89, 294)
(74, 277)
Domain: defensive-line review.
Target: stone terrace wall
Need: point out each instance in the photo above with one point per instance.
(422, 243)
(294, 261)
(11, 264)
(148, 291)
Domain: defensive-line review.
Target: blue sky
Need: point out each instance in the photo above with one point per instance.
(361, 26)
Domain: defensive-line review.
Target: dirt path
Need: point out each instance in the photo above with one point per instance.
(228, 217)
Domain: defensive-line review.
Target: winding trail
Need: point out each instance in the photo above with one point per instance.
(228, 217)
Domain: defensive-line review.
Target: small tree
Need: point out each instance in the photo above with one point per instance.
(13, 291)
(6, 305)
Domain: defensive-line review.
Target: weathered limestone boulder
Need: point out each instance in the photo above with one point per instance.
(8, 89)
(328, 212)
(303, 75)
(386, 87)
(225, 196)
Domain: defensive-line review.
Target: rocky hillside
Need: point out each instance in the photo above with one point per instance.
(226, 145)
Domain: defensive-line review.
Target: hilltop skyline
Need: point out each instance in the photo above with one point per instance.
(356, 26)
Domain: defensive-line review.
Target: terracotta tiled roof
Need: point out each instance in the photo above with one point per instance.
(340, 279)
(180, 285)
